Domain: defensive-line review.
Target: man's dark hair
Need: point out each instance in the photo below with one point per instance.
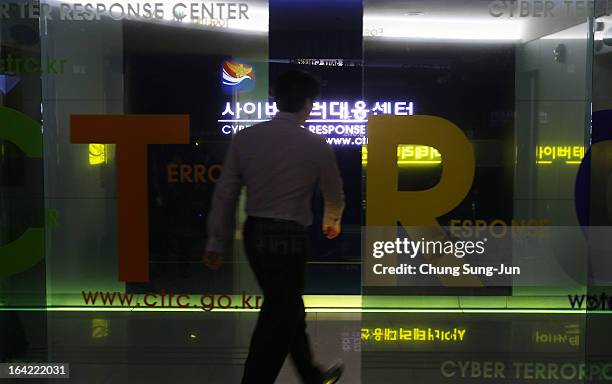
(292, 88)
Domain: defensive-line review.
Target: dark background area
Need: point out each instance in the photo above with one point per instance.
(470, 85)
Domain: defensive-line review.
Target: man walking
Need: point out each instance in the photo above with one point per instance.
(281, 164)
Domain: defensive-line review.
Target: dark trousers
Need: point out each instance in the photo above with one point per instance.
(277, 251)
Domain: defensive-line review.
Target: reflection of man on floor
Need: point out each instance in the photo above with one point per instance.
(281, 164)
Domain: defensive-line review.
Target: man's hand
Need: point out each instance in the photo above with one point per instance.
(213, 260)
(331, 231)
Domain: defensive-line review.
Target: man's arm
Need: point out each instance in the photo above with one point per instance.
(221, 220)
(331, 187)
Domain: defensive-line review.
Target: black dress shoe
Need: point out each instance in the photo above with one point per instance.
(333, 374)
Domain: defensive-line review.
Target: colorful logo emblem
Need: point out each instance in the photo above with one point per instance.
(237, 77)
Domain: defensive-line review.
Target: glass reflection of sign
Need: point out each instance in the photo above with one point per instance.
(341, 122)
(570, 335)
(569, 154)
(409, 154)
(416, 334)
(327, 62)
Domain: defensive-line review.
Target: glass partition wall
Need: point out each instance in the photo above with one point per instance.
(449, 120)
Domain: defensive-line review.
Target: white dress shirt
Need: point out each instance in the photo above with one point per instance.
(280, 163)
